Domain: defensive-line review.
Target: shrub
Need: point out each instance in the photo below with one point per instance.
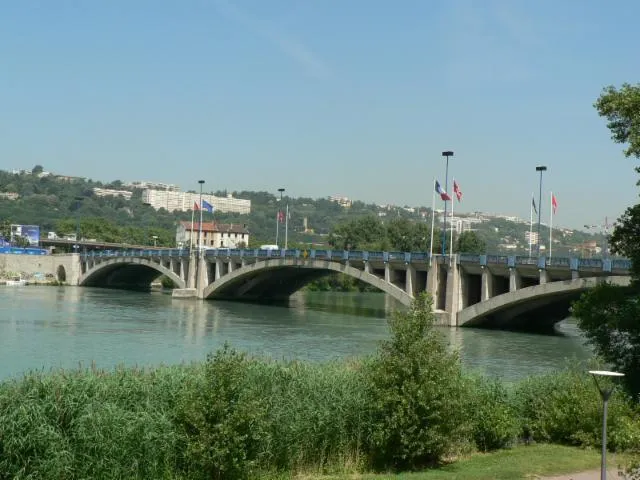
(224, 424)
(494, 420)
(417, 393)
(565, 407)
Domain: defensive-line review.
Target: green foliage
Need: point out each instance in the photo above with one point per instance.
(470, 242)
(609, 316)
(226, 426)
(494, 421)
(88, 424)
(417, 394)
(621, 108)
(21, 242)
(167, 282)
(624, 240)
(565, 407)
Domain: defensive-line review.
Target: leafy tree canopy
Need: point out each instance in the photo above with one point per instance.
(471, 242)
(610, 315)
(621, 107)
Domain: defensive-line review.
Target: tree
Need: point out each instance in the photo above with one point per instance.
(37, 170)
(622, 110)
(470, 242)
(610, 315)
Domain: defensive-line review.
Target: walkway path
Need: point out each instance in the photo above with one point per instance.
(589, 475)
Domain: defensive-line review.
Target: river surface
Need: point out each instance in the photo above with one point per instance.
(51, 327)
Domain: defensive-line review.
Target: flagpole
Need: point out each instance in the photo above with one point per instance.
(550, 223)
(451, 222)
(200, 207)
(191, 235)
(530, 224)
(433, 218)
(286, 228)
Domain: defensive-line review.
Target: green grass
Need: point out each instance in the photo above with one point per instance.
(524, 462)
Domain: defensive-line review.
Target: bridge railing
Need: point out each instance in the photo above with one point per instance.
(619, 265)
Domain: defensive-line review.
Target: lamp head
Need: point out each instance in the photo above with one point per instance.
(541, 168)
(605, 373)
(607, 389)
(281, 190)
(447, 153)
(200, 182)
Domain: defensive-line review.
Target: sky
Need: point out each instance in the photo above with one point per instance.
(326, 97)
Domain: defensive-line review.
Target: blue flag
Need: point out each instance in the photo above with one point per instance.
(207, 206)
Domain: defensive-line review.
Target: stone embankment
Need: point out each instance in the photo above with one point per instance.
(44, 269)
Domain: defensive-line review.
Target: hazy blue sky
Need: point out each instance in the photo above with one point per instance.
(325, 97)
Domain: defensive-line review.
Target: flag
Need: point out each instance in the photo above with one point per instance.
(195, 206)
(554, 203)
(456, 190)
(533, 205)
(281, 216)
(207, 206)
(443, 195)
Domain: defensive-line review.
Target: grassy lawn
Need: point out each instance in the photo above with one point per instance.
(518, 463)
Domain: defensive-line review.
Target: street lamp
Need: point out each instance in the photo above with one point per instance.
(77, 245)
(155, 240)
(446, 154)
(281, 190)
(605, 392)
(201, 182)
(540, 168)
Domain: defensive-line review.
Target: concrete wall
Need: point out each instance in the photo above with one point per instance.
(29, 265)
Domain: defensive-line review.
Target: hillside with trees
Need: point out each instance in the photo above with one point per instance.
(62, 204)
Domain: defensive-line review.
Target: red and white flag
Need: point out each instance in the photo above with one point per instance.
(554, 203)
(195, 206)
(281, 216)
(456, 190)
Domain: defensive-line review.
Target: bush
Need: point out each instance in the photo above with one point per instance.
(225, 426)
(418, 394)
(89, 424)
(494, 420)
(565, 407)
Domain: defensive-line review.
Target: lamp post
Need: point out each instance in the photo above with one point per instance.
(540, 168)
(605, 392)
(77, 245)
(281, 190)
(446, 154)
(201, 182)
(155, 240)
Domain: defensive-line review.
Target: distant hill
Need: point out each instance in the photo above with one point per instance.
(56, 203)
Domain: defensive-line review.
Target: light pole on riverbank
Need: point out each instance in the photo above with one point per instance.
(606, 389)
(540, 168)
(78, 203)
(281, 190)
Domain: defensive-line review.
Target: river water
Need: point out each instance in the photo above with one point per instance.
(51, 327)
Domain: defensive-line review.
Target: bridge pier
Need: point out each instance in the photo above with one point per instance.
(486, 288)
(515, 280)
(453, 294)
(544, 276)
(410, 280)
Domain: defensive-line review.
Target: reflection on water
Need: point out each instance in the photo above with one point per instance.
(45, 327)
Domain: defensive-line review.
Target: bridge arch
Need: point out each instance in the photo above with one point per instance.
(532, 308)
(127, 273)
(279, 278)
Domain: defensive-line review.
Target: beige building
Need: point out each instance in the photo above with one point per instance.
(214, 235)
(184, 201)
(108, 192)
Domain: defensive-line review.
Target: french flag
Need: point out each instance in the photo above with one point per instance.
(443, 195)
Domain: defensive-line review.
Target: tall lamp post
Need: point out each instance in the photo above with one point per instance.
(77, 245)
(281, 190)
(606, 389)
(201, 182)
(155, 240)
(540, 168)
(446, 154)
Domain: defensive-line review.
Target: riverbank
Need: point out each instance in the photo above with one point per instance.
(408, 407)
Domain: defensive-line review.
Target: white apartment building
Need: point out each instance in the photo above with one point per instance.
(531, 238)
(108, 192)
(214, 235)
(185, 201)
(153, 186)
